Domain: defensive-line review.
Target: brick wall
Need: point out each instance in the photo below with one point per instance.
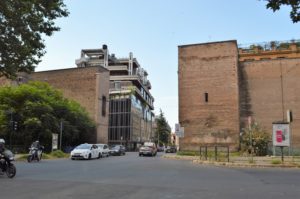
(266, 97)
(86, 86)
(208, 68)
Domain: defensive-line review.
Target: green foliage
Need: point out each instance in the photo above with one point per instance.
(188, 153)
(22, 25)
(163, 130)
(58, 154)
(276, 161)
(260, 139)
(275, 5)
(39, 110)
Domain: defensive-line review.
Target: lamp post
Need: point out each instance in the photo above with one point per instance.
(61, 132)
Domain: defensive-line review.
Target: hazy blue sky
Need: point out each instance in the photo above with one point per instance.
(153, 29)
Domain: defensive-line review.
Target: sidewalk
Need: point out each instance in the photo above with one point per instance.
(239, 161)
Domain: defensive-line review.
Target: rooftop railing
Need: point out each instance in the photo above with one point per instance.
(268, 46)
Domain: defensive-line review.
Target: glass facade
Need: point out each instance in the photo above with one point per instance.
(130, 122)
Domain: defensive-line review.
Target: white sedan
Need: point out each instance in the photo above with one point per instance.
(103, 149)
(86, 151)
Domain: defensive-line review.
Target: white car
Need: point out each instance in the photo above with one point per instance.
(104, 150)
(86, 151)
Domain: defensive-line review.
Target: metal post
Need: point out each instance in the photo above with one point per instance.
(251, 144)
(282, 94)
(200, 154)
(61, 131)
(281, 154)
(11, 127)
(227, 153)
(216, 153)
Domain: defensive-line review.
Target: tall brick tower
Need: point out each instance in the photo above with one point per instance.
(209, 94)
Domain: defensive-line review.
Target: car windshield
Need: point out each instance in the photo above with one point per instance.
(116, 147)
(83, 146)
(100, 146)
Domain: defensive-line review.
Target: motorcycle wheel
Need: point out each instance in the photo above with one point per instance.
(11, 171)
(29, 158)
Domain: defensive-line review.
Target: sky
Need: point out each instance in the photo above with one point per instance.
(153, 29)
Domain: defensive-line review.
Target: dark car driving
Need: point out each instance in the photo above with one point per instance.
(117, 150)
(171, 149)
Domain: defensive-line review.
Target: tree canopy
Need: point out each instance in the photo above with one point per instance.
(22, 24)
(163, 129)
(275, 5)
(38, 110)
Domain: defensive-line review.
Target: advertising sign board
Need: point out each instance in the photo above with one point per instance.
(281, 134)
(54, 141)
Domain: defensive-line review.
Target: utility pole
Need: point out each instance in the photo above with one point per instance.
(282, 94)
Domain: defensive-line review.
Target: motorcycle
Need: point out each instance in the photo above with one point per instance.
(5, 164)
(35, 154)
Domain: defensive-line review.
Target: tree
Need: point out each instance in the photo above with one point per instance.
(22, 25)
(163, 129)
(255, 138)
(38, 110)
(275, 5)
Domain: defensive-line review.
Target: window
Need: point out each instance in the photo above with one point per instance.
(118, 85)
(103, 105)
(206, 97)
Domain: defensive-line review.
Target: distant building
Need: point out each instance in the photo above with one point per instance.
(222, 85)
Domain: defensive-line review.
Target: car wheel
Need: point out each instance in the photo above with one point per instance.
(90, 156)
(99, 155)
(72, 158)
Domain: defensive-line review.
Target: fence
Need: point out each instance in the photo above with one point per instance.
(217, 153)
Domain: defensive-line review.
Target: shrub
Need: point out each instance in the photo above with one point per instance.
(276, 162)
(259, 138)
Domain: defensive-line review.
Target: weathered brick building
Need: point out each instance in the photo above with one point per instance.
(221, 85)
(87, 86)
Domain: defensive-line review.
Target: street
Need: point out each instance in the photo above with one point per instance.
(136, 177)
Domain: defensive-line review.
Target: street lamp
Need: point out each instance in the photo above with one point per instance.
(61, 132)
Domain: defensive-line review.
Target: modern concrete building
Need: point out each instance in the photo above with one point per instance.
(222, 84)
(130, 101)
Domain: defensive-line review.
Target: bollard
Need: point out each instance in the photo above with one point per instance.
(205, 152)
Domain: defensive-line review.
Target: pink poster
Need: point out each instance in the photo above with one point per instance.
(279, 136)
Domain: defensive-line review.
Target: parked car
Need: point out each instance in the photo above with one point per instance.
(149, 148)
(85, 151)
(117, 150)
(171, 149)
(160, 149)
(104, 150)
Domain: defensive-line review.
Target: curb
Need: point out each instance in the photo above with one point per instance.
(231, 164)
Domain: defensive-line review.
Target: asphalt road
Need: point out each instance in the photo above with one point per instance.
(136, 177)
